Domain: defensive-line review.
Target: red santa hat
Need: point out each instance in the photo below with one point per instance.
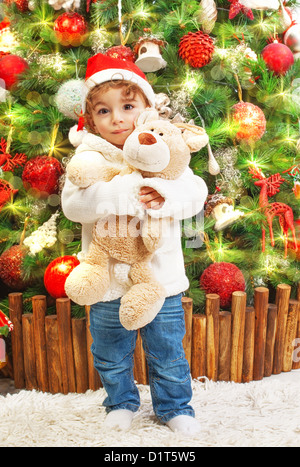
(101, 68)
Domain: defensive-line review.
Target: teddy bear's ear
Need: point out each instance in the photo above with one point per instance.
(194, 136)
(147, 115)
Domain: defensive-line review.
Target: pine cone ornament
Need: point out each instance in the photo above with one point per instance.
(11, 267)
(196, 49)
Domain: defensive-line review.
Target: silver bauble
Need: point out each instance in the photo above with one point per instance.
(292, 38)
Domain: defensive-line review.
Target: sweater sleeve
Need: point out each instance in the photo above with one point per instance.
(87, 205)
(184, 197)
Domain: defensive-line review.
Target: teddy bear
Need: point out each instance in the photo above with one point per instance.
(156, 148)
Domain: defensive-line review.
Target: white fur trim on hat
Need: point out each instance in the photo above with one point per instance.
(116, 74)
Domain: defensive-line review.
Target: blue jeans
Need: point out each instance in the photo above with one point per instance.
(169, 374)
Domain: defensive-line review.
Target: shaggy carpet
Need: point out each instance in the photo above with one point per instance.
(257, 414)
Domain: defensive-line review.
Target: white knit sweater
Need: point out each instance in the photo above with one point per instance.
(184, 198)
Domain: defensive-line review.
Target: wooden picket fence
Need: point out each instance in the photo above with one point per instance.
(51, 353)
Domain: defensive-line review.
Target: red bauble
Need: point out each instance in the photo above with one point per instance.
(11, 67)
(251, 121)
(41, 174)
(196, 49)
(22, 5)
(11, 267)
(6, 192)
(222, 279)
(278, 57)
(121, 52)
(70, 29)
(56, 274)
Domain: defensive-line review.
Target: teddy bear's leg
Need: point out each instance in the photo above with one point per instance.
(144, 299)
(89, 281)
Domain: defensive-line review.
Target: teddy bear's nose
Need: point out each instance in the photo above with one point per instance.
(147, 139)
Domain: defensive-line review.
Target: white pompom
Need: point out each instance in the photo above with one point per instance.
(75, 137)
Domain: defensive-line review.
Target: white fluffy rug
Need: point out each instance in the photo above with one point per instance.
(263, 413)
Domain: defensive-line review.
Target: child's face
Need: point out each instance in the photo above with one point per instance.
(114, 114)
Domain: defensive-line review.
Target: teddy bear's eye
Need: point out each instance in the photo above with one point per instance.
(152, 129)
(161, 134)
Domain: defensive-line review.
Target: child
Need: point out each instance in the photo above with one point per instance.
(115, 93)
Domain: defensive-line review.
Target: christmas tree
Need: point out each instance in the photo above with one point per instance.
(229, 66)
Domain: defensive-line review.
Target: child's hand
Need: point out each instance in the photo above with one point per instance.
(150, 198)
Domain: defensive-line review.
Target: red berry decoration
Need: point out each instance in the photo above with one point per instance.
(222, 279)
(251, 121)
(278, 57)
(11, 67)
(41, 175)
(121, 52)
(196, 49)
(56, 274)
(11, 267)
(70, 29)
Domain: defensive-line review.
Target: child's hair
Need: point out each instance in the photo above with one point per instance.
(129, 90)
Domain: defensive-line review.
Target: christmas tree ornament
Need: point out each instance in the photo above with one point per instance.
(269, 187)
(121, 52)
(70, 29)
(6, 192)
(41, 175)
(237, 7)
(7, 38)
(64, 4)
(162, 103)
(230, 179)
(291, 39)
(196, 49)
(294, 173)
(6, 326)
(68, 98)
(296, 189)
(7, 161)
(260, 4)
(11, 262)
(221, 208)
(286, 18)
(56, 274)
(222, 279)
(22, 5)
(291, 245)
(44, 237)
(11, 68)
(278, 58)
(213, 166)
(3, 93)
(250, 120)
(148, 50)
(207, 15)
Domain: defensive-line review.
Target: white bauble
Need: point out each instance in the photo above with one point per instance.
(68, 98)
(261, 4)
(292, 38)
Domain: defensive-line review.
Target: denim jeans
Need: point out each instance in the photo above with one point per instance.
(169, 374)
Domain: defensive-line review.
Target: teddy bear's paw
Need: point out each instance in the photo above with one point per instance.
(152, 243)
(87, 284)
(140, 305)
